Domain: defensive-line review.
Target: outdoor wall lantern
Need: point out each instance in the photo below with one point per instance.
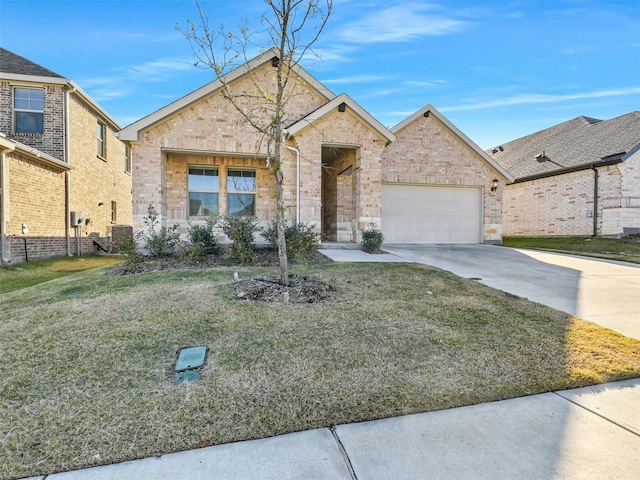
(494, 185)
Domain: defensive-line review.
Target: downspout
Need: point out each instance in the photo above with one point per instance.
(67, 179)
(297, 151)
(3, 203)
(595, 200)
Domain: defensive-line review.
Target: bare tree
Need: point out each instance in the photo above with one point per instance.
(290, 28)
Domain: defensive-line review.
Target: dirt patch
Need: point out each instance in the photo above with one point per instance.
(301, 289)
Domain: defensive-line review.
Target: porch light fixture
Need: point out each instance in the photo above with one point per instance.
(494, 184)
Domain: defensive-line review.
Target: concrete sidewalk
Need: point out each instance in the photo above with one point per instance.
(587, 433)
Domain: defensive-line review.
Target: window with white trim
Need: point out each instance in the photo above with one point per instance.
(101, 137)
(127, 159)
(28, 111)
(241, 192)
(203, 187)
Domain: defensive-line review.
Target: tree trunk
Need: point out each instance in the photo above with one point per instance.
(282, 245)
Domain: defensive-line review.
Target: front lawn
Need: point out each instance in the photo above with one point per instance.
(87, 378)
(599, 247)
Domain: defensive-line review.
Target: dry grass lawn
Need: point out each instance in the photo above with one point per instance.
(87, 379)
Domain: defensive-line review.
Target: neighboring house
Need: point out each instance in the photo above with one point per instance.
(65, 178)
(581, 177)
(422, 181)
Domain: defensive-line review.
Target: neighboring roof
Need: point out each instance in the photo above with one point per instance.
(131, 132)
(15, 67)
(7, 145)
(573, 145)
(319, 113)
(431, 110)
(13, 63)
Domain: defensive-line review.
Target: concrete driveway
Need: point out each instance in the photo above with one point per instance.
(602, 291)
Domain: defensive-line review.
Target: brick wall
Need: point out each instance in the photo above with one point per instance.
(52, 141)
(426, 152)
(97, 180)
(212, 125)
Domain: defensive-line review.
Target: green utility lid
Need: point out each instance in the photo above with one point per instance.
(191, 358)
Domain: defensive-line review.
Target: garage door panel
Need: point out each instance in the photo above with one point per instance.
(428, 214)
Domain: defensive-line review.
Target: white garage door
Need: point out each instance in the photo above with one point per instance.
(427, 214)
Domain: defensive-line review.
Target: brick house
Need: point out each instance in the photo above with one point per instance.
(581, 177)
(343, 169)
(65, 178)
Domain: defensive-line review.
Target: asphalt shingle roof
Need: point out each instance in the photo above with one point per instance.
(12, 63)
(581, 141)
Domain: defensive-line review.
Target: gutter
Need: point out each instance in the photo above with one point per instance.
(604, 161)
(297, 152)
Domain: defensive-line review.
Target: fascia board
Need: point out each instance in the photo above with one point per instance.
(101, 112)
(16, 77)
(41, 157)
(328, 107)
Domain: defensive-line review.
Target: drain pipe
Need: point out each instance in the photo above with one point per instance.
(67, 178)
(595, 200)
(297, 152)
(3, 203)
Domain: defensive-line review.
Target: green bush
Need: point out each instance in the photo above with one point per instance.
(301, 239)
(240, 231)
(202, 238)
(372, 239)
(159, 242)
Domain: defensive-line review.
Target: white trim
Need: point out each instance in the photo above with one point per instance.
(316, 115)
(132, 132)
(214, 153)
(21, 148)
(430, 109)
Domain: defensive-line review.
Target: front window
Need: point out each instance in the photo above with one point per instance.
(241, 192)
(28, 108)
(114, 212)
(127, 159)
(100, 134)
(203, 191)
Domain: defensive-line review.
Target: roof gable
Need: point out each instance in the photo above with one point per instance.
(572, 145)
(428, 110)
(132, 131)
(337, 102)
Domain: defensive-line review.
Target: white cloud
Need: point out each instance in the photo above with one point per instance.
(534, 98)
(400, 23)
(357, 79)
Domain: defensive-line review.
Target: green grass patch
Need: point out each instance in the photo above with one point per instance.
(608, 248)
(22, 275)
(88, 379)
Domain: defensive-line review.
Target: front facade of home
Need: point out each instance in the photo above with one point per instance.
(581, 177)
(197, 156)
(65, 179)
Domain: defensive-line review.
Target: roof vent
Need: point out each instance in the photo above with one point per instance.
(275, 61)
(342, 107)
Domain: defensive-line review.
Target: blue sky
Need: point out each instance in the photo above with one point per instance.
(497, 69)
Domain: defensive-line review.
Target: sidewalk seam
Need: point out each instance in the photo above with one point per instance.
(598, 415)
(343, 452)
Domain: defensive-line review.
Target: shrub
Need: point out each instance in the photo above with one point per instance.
(301, 239)
(240, 231)
(372, 239)
(203, 237)
(127, 246)
(159, 242)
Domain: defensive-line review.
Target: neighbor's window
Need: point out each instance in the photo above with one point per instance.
(114, 212)
(203, 191)
(241, 192)
(100, 134)
(127, 159)
(28, 108)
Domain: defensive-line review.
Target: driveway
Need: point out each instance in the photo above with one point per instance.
(602, 291)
